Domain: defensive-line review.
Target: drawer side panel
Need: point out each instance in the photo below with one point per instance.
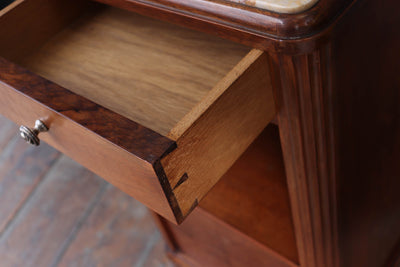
(221, 134)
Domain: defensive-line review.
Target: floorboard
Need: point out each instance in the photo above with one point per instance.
(22, 168)
(119, 232)
(54, 212)
(7, 132)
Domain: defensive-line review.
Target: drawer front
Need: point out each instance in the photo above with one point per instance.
(169, 173)
(108, 144)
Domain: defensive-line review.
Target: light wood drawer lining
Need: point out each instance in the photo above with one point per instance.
(173, 176)
(146, 70)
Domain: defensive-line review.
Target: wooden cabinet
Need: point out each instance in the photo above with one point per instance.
(159, 100)
(245, 220)
(166, 113)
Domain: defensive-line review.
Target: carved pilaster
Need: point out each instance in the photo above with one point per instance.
(303, 91)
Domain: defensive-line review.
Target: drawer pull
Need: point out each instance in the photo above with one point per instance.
(31, 136)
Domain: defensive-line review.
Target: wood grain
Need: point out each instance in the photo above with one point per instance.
(88, 133)
(338, 116)
(208, 241)
(26, 25)
(157, 256)
(150, 72)
(368, 132)
(137, 150)
(7, 132)
(41, 229)
(305, 97)
(251, 201)
(118, 232)
(24, 176)
(22, 168)
(253, 196)
(289, 33)
(222, 133)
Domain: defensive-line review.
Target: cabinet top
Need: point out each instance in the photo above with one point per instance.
(279, 6)
(291, 26)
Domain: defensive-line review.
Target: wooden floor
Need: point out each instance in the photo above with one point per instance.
(54, 212)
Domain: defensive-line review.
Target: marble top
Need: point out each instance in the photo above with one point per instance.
(280, 6)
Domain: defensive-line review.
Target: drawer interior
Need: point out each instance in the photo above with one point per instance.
(149, 71)
(180, 105)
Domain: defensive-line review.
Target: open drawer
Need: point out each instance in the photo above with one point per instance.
(159, 111)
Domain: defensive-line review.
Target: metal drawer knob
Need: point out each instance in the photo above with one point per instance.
(31, 135)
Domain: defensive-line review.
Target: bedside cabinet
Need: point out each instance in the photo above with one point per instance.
(261, 133)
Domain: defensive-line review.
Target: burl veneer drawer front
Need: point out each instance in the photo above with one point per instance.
(157, 110)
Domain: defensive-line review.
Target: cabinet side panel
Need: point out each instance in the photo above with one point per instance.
(339, 117)
(366, 53)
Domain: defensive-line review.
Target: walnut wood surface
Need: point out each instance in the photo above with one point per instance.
(136, 150)
(27, 97)
(207, 241)
(368, 132)
(253, 196)
(261, 29)
(394, 259)
(337, 102)
(251, 201)
(148, 71)
(211, 241)
(338, 115)
(26, 25)
(54, 212)
(304, 96)
(210, 146)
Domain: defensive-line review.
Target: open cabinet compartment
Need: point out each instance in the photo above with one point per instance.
(246, 215)
(168, 110)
